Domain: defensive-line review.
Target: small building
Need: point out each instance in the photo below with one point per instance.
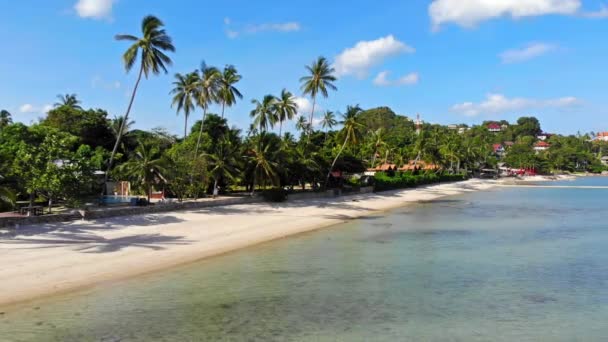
(601, 136)
(414, 165)
(541, 146)
(508, 144)
(499, 149)
(494, 127)
(604, 160)
(543, 136)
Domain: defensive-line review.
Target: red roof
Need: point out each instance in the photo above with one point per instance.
(497, 147)
(494, 125)
(542, 144)
(602, 134)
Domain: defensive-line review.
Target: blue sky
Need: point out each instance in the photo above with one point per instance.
(452, 61)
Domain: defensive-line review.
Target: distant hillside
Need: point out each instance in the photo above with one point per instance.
(397, 128)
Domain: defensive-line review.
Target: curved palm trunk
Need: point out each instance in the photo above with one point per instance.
(223, 107)
(312, 113)
(200, 133)
(255, 173)
(334, 162)
(186, 127)
(120, 130)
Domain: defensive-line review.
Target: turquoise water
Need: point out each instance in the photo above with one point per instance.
(503, 265)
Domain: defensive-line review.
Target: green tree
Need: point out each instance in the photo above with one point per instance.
(262, 156)
(228, 93)
(208, 92)
(328, 122)
(223, 162)
(90, 126)
(5, 118)
(302, 125)
(146, 167)
(320, 78)
(185, 95)
(264, 114)
(150, 48)
(351, 133)
(68, 100)
(7, 197)
(286, 108)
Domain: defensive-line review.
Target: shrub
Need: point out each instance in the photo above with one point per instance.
(405, 180)
(275, 195)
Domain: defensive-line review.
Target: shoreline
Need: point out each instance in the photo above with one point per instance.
(53, 259)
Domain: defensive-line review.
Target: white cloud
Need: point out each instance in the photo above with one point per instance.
(383, 80)
(498, 104)
(599, 14)
(468, 13)
(358, 59)
(32, 109)
(305, 106)
(232, 32)
(96, 9)
(531, 51)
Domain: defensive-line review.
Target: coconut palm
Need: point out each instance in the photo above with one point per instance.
(377, 141)
(302, 124)
(118, 123)
(68, 100)
(351, 133)
(150, 48)
(265, 169)
(146, 168)
(263, 114)
(208, 87)
(223, 162)
(286, 108)
(328, 122)
(228, 93)
(5, 118)
(185, 95)
(320, 79)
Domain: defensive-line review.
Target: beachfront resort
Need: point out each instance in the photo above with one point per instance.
(239, 184)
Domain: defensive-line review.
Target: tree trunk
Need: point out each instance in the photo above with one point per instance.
(254, 179)
(334, 162)
(149, 193)
(215, 187)
(50, 204)
(312, 113)
(185, 127)
(280, 127)
(32, 197)
(120, 130)
(223, 106)
(200, 133)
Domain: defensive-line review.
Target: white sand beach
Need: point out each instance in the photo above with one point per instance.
(42, 260)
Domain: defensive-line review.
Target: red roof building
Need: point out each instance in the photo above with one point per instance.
(494, 127)
(601, 136)
(541, 146)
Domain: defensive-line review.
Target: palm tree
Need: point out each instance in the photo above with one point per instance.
(351, 132)
(264, 166)
(328, 122)
(68, 100)
(150, 48)
(118, 123)
(264, 113)
(223, 162)
(185, 95)
(208, 91)
(145, 168)
(320, 78)
(228, 93)
(377, 137)
(7, 197)
(286, 108)
(5, 118)
(302, 124)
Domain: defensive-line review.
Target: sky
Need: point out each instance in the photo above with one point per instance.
(451, 61)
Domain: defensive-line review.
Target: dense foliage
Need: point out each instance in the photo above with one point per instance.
(64, 156)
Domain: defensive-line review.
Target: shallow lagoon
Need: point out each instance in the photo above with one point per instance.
(504, 265)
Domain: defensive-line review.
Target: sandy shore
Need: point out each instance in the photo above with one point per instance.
(44, 260)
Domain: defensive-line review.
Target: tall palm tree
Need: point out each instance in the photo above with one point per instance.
(185, 95)
(208, 92)
(150, 48)
(286, 108)
(320, 79)
(302, 124)
(5, 118)
(228, 93)
(145, 168)
(223, 162)
(351, 133)
(328, 122)
(264, 113)
(69, 100)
